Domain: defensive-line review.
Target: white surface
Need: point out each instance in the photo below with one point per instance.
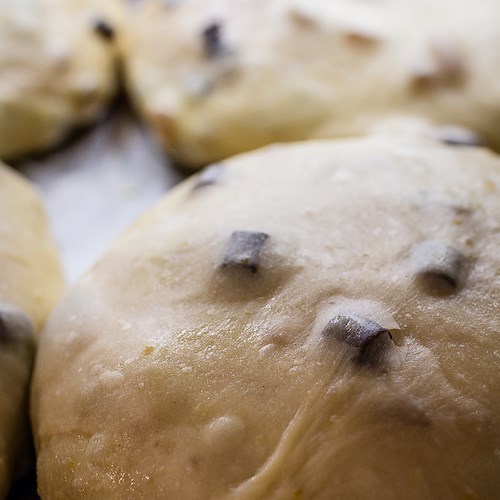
(97, 185)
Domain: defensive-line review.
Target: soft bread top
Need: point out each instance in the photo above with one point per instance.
(317, 320)
(57, 67)
(215, 78)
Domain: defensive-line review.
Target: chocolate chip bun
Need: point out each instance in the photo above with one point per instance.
(216, 78)
(30, 282)
(316, 320)
(57, 67)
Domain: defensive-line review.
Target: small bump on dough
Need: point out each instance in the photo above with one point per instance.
(223, 432)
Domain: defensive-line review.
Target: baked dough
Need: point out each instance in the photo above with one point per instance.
(57, 67)
(236, 341)
(214, 77)
(30, 283)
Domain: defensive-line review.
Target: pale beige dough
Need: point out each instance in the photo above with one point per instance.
(30, 283)
(57, 71)
(168, 371)
(214, 77)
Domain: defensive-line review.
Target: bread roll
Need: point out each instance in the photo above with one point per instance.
(57, 67)
(315, 320)
(30, 283)
(214, 78)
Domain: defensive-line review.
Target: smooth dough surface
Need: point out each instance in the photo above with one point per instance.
(207, 354)
(30, 283)
(57, 69)
(217, 77)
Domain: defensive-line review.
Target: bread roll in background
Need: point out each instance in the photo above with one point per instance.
(57, 66)
(214, 78)
(313, 320)
(30, 284)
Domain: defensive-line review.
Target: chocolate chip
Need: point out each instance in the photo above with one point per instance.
(453, 141)
(14, 325)
(368, 337)
(354, 330)
(435, 261)
(104, 30)
(459, 136)
(212, 40)
(210, 175)
(244, 250)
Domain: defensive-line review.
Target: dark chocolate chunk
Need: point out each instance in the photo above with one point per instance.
(436, 261)
(244, 250)
(354, 330)
(368, 337)
(14, 325)
(212, 40)
(459, 136)
(210, 175)
(104, 30)
(454, 141)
